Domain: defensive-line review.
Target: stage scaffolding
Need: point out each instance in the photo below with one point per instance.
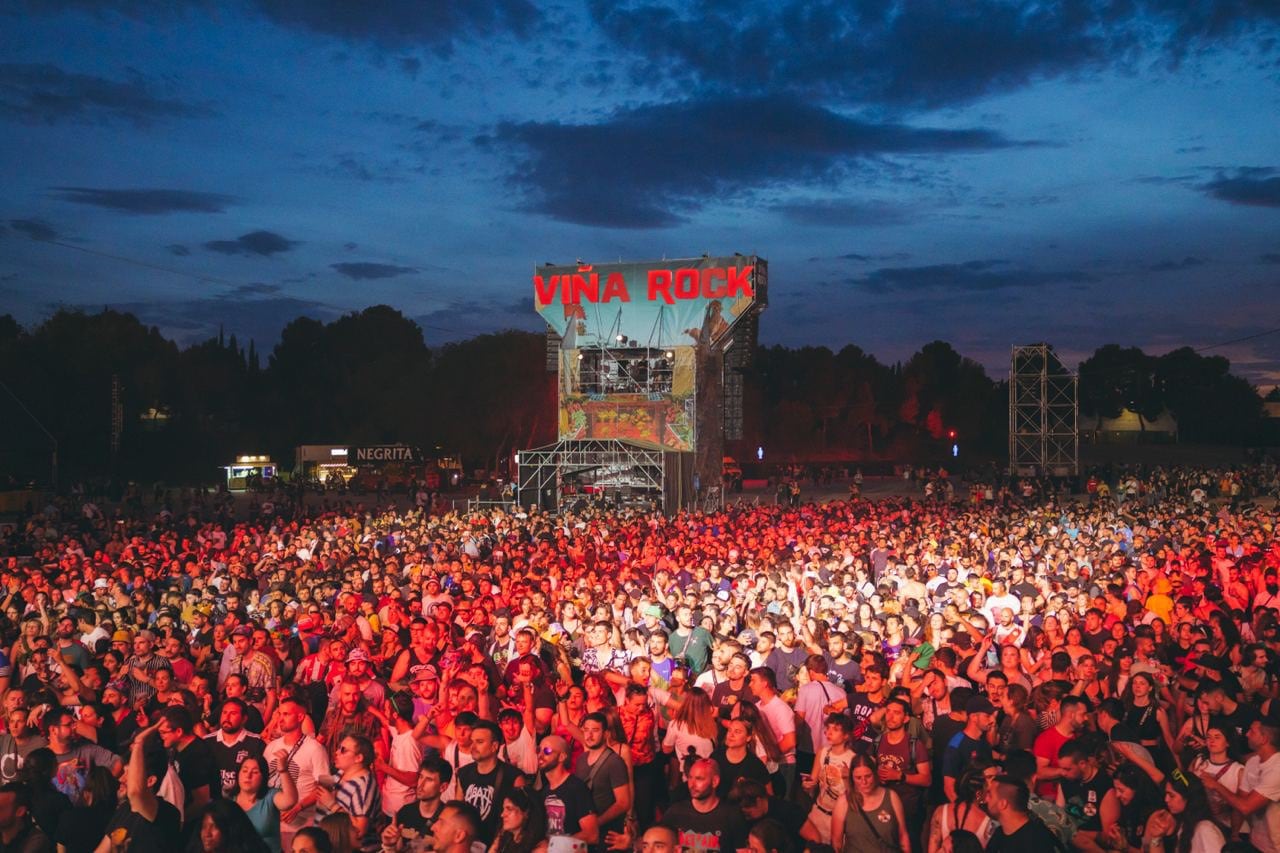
(604, 471)
(1044, 437)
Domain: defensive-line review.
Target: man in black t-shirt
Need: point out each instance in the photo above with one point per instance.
(144, 821)
(1019, 831)
(1085, 791)
(866, 707)
(566, 798)
(231, 745)
(486, 782)
(191, 757)
(967, 744)
(705, 823)
(415, 818)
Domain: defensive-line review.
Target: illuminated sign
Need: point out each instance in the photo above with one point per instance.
(654, 304)
(382, 453)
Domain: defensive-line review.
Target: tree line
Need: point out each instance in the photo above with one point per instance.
(371, 377)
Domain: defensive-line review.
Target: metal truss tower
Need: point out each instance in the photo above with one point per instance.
(1043, 413)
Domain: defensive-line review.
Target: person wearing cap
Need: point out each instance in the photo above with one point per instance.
(360, 673)
(968, 744)
(424, 685)
(256, 669)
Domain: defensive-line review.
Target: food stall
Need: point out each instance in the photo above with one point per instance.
(249, 472)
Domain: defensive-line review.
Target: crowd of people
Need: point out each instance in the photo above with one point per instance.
(1011, 670)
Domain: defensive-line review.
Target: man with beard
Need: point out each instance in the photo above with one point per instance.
(420, 653)
(416, 818)
(902, 760)
(565, 797)
(734, 688)
(349, 715)
(968, 744)
(305, 761)
(843, 670)
(69, 650)
(705, 823)
(486, 781)
(360, 673)
(693, 644)
(1085, 791)
(605, 774)
(724, 652)
(257, 670)
(232, 744)
(1073, 716)
(191, 757)
(786, 658)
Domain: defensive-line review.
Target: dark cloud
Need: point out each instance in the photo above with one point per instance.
(35, 229)
(146, 200)
(178, 249)
(263, 243)
(1253, 186)
(410, 65)
(650, 167)
(839, 213)
(364, 271)
(967, 277)
(256, 288)
(920, 53)
(1270, 258)
(859, 257)
(1172, 266)
(47, 94)
(436, 24)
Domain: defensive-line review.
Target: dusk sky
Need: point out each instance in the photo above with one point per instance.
(988, 173)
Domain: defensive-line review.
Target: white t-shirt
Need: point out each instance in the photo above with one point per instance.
(996, 603)
(1264, 825)
(679, 740)
(308, 763)
(406, 754)
(457, 760)
(521, 753)
(708, 680)
(1207, 838)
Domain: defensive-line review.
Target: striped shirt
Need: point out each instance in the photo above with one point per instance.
(359, 797)
(141, 690)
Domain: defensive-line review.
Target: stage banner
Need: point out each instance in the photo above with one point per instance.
(663, 419)
(658, 304)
